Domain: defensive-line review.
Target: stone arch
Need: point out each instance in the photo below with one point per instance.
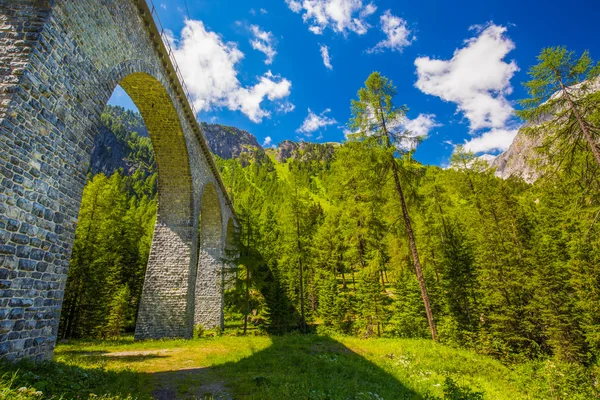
(165, 308)
(208, 291)
(59, 80)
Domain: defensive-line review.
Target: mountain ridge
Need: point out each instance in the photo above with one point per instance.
(122, 142)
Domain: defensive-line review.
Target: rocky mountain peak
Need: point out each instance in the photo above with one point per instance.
(228, 141)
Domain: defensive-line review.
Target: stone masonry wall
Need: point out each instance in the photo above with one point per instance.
(59, 63)
(209, 296)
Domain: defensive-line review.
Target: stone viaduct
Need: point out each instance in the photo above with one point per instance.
(60, 61)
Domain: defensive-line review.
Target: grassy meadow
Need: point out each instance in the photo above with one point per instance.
(284, 367)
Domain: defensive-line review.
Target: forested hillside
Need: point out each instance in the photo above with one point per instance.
(360, 239)
(511, 268)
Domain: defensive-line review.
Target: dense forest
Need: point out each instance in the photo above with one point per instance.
(361, 239)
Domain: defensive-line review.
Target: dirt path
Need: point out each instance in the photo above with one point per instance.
(137, 353)
(185, 383)
(193, 383)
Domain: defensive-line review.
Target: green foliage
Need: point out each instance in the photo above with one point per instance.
(408, 315)
(9, 390)
(112, 241)
(330, 238)
(198, 331)
(510, 268)
(296, 366)
(117, 314)
(563, 109)
(129, 129)
(51, 380)
(452, 391)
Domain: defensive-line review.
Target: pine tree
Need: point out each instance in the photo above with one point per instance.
(408, 317)
(372, 310)
(118, 310)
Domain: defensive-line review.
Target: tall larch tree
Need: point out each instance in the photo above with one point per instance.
(376, 117)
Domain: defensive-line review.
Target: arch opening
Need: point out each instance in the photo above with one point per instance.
(143, 276)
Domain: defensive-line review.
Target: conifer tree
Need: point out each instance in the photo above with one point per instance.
(376, 117)
(117, 312)
(564, 103)
(372, 310)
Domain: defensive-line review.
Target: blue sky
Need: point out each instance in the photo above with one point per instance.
(458, 65)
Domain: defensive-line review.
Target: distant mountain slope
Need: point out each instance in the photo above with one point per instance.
(521, 158)
(303, 150)
(518, 159)
(121, 142)
(227, 141)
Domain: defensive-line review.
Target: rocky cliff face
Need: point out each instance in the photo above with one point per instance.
(305, 150)
(227, 141)
(118, 142)
(519, 159)
(110, 154)
(521, 156)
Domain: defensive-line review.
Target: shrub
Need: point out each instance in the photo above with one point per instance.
(198, 331)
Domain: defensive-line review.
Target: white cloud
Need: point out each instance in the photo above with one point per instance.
(248, 99)
(267, 142)
(410, 132)
(325, 55)
(407, 132)
(493, 140)
(294, 5)
(208, 65)
(421, 126)
(313, 122)
(286, 107)
(396, 32)
(263, 42)
(476, 78)
(263, 11)
(163, 6)
(342, 16)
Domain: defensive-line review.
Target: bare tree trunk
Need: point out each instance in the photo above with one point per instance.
(299, 247)
(247, 296)
(343, 272)
(413, 250)
(302, 291)
(409, 231)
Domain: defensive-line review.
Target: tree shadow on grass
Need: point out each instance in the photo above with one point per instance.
(293, 367)
(61, 380)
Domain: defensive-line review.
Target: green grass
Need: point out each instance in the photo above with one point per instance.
(287, 367)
